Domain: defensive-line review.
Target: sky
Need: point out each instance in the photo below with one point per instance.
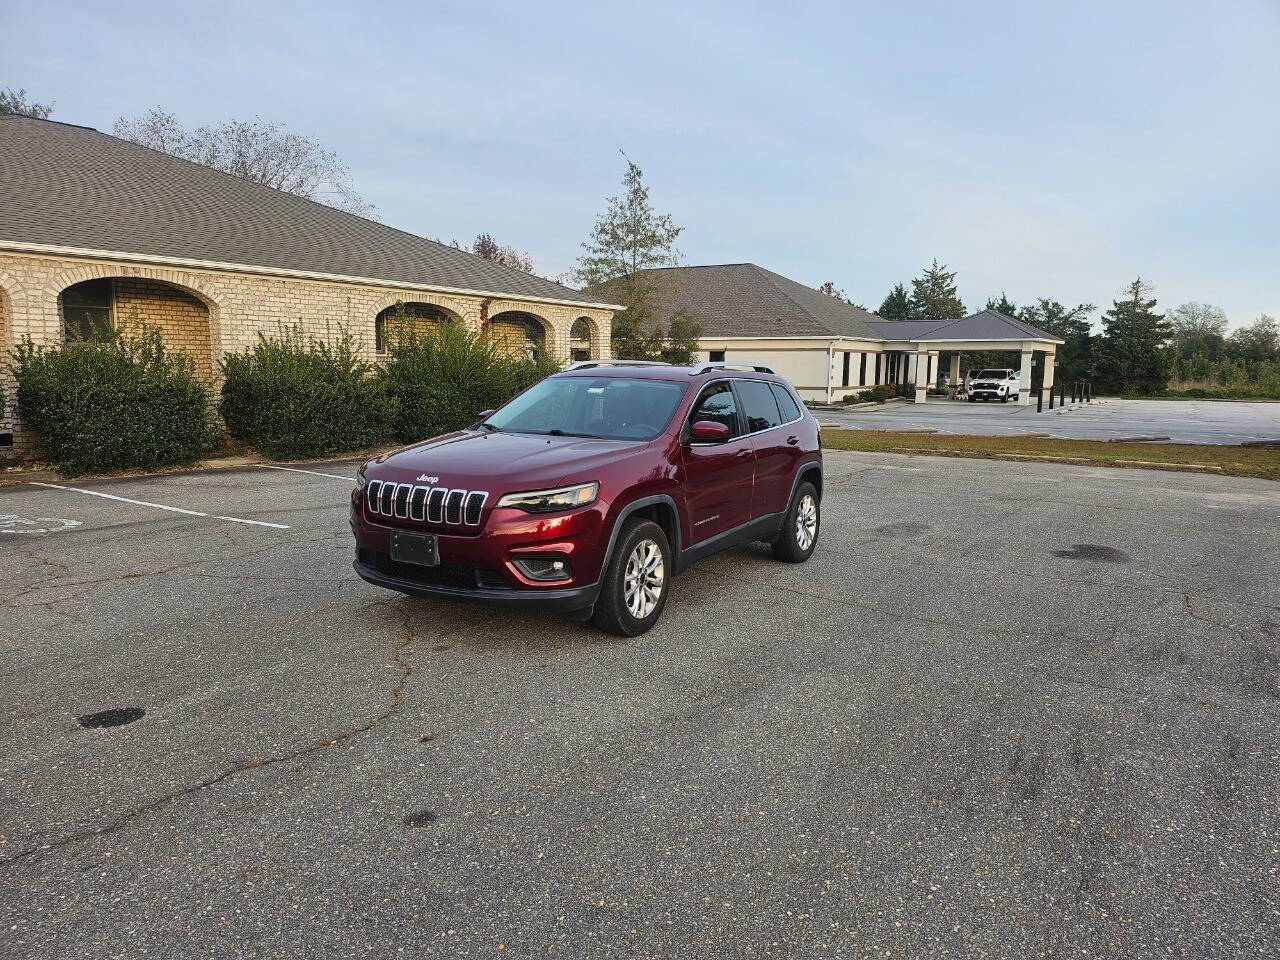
(1043, 150)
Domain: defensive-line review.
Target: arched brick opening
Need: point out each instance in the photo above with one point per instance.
(522, 332)
(131, 303)
(404, 316)
(585, 342)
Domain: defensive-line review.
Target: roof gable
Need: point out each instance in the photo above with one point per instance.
(69, 186)
(983, 325)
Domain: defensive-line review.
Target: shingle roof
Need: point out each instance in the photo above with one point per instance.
(983, 325)
(63, 185)
(746, 300)
(902, 329)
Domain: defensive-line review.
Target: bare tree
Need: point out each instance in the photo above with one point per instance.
(17, 102)
(257, 150)
(489, 248)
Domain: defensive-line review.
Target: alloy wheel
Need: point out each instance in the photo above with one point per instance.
(643, 579)
(806, 522)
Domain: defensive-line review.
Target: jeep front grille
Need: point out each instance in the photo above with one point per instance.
(405, 501)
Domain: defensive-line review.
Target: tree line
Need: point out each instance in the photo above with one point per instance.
(1138, 350)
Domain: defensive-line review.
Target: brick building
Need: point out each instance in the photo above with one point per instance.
(99, 231)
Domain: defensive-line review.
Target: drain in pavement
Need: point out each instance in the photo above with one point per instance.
(116, 717)
(420, 819)
(1093, 551)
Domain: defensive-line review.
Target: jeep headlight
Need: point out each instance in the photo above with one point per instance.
(548, 501)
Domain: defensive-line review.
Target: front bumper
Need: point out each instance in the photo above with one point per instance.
(478, 565)
(558, 598)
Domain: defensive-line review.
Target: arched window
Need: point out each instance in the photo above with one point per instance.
(418, 317)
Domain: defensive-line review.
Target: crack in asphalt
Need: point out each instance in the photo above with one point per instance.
(397, 701)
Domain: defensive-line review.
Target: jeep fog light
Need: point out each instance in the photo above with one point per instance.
(551, 567)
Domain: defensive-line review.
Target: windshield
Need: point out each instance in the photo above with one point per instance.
(606, 408)
(994, 374)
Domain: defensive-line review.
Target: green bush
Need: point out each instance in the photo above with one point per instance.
(113, 403)
(294, 396)
(443, 379)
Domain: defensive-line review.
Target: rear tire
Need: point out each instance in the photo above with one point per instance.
(636, 581)
(799, 534)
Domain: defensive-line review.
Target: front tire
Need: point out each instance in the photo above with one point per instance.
(636, 581)
(799, 535)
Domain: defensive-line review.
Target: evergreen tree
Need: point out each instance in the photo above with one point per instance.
(1132, 358)
(626, 239)
(896, 306)
(682, 339)
(1072, 324)
(1003, 305)
(933, 295)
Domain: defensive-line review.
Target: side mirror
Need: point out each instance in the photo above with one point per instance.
(486, 414)
(708, 431)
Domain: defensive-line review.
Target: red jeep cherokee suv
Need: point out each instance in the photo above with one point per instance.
(588, 491)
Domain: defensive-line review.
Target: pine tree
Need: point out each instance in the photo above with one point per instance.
(1003, 305)
(933, 295)
(626, 239)
(1132, 355)
(896, 306)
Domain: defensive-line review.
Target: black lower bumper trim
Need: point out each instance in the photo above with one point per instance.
(564, 599)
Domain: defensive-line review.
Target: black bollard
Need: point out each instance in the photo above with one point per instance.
(1088, 391)
(1040, 401)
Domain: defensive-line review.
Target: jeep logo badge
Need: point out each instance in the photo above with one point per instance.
(425, 479)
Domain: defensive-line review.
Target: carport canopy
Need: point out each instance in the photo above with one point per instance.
(986, 330)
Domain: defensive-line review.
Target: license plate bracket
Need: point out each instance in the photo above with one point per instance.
(419, 549)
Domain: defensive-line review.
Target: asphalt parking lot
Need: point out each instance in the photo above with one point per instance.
(1182, 421)
(987, 719)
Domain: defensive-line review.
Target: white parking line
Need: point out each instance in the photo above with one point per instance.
(314, 473)
(160, 506)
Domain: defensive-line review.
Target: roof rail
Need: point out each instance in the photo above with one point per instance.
(705, 366)
(588, 364)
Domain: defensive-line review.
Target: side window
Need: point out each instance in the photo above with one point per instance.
(759, 406)
(718, 405)
(786, 403)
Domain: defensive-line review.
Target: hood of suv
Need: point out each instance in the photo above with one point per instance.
(502, 462)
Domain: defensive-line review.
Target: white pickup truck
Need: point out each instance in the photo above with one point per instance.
(993, 384)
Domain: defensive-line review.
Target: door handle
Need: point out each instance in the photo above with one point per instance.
(744, 455)
(793, 440)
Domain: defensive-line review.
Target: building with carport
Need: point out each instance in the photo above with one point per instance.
(826, 347)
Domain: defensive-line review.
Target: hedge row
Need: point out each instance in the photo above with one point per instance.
(125, 402)
(113, 403)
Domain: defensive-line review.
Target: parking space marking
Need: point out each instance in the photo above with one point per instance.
(161, 506)
(314, 473)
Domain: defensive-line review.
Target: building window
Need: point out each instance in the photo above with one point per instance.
(86, 310)
(862, 370)
(577, 354)
(845, 381)
(716, 356)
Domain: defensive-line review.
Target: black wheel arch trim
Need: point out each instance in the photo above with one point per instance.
(805, 470)
(639, 504)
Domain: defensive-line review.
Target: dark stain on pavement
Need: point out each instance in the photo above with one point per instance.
(1093, 551)
(420, 819)
(116, 717)
(902, 528)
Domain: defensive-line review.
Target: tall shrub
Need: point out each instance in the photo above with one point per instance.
(113, 403)
(292, 396)
(443, 379)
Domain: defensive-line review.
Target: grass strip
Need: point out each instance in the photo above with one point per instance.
(1261, 462)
